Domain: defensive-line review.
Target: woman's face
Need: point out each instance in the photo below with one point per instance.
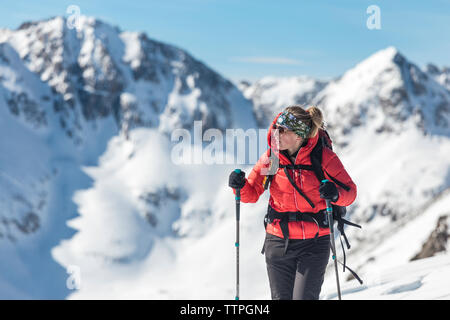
(288, 139)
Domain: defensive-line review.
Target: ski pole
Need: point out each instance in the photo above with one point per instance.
(333, 245)
(238, 206)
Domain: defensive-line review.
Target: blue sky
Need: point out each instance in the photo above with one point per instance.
(248, 39)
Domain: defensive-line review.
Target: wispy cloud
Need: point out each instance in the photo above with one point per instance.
(268, 60)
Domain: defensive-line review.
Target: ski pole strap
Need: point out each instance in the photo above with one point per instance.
(352, 272)
(340, 226)
(344, 266)
(343, 253)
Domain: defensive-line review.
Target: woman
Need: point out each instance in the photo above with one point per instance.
(297, 248)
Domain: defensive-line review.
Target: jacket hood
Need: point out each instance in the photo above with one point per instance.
(302, 153)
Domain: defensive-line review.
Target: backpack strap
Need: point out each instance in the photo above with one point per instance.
(316, 159)
(316, 162)
(316, 167)
(297, 166)
(298, 189)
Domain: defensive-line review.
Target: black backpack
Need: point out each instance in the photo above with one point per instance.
(339, 212)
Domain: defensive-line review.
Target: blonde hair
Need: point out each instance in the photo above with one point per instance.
(312, 116)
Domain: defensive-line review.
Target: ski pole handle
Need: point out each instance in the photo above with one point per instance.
(238, 171)
(329, 207)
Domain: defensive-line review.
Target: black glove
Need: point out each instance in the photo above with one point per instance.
(237, 180)
(328, 191)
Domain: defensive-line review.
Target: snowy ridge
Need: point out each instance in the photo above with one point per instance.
(97, 71)
(271, 94)
(441, 76)
(385, 91)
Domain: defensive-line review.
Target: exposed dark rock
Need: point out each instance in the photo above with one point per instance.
(29, 223)
(436, 242)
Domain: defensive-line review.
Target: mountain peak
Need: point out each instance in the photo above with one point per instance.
(380, 61)
(390, 51)
(61, 20)
(97, 72)
(388, 90)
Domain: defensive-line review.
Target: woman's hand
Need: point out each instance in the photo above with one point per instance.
(328, 191)
(237, 180)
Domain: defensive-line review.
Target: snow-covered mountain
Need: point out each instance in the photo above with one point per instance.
(93, 206)
(387, 103)
(64, 93)
(270, 95)
(385, 92)
(96, 71)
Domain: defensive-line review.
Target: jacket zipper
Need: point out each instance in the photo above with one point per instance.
(295, 197)
(301, 185)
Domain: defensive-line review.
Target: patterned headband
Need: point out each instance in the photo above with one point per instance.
(290, 122)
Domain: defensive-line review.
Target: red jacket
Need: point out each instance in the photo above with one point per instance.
(283, 196)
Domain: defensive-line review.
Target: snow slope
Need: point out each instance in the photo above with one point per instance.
(387, 271)
(195, 259)
(426, 279)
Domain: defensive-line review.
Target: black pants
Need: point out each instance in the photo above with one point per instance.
(297, 274)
